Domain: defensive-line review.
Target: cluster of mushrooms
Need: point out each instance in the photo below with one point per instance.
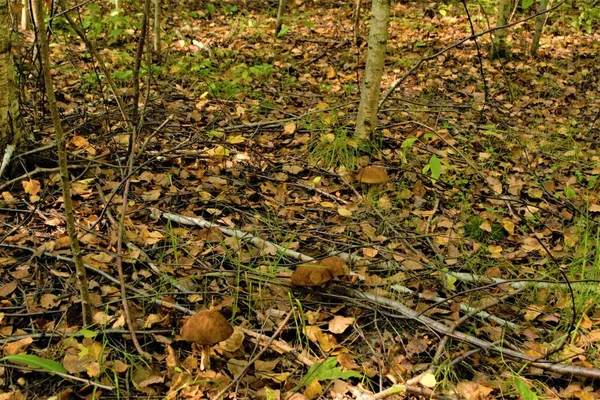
(208, 327)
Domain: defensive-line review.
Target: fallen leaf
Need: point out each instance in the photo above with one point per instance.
(339, 324)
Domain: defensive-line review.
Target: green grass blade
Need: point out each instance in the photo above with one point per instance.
(33, 361)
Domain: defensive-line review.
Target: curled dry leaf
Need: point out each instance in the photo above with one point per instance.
(234, 342)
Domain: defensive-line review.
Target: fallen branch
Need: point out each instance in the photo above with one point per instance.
(445, 330)
(261, 244)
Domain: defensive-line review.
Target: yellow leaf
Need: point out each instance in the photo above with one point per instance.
(486, 226)
(322, 106)
(595, 208)
(368, 252)
(327, 204)
(80, 142)
(289, 128)
(31, 187)
(331, 73)
(428, 380)
(236, 139)
(8, 198)
(493, 249)
(508, 226)
(313, 389)
(535, 193)
(344, 212)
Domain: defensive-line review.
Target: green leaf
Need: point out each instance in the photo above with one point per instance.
(569, 192)
(36, 362)
(327, 370)
(525, 4)
(271, 394)
(408, 142)
(122, 75)
(524, 391)
(88, 334)
(283, 31)
(435, 166)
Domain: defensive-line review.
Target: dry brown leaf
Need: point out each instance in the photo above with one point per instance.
(234, 342)
(339, 324)
(48, 300)
(17, 347)
(6, 290)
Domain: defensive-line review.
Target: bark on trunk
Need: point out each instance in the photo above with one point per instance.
(539, 27)
(279, 21)
(366, 120)
(12, 128)
(62, 162)
(499, 49)
(156, 42)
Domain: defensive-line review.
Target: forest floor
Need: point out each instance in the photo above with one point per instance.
(474, 271)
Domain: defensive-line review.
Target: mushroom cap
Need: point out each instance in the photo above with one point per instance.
(335, 265)
(206, 327)
(311, 275)
(373, 174)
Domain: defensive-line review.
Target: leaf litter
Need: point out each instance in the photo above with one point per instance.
(239, 190)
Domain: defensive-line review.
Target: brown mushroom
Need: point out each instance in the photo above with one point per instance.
(206, 328)
(335, 265)
(311, 275)
(373, 175)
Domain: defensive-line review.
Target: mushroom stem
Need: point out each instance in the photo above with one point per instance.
(205, 358)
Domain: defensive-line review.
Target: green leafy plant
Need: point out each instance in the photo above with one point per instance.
(285, 29)
(326, 370)
(525, 4)
(524, 392)
(434, 167)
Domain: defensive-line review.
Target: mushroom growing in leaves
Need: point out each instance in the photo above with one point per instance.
(206, 328)
(319, 272)
(311, 275)
(373, 175)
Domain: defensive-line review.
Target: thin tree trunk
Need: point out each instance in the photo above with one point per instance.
(25, 12)
(366, 120)
(156, 41)
(499, 49)
(62, 162)
(356, 17)
(279, 22)
(12, 128)
(539, 27)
